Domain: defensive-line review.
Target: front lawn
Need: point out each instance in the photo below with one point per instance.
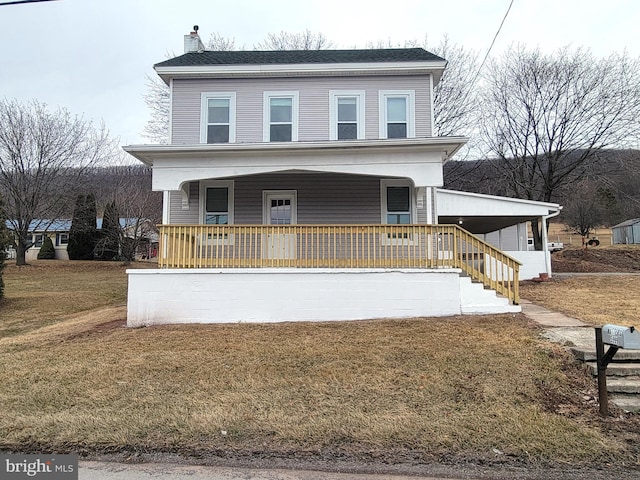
(461, 389)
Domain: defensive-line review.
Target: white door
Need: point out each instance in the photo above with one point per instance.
(279, 208)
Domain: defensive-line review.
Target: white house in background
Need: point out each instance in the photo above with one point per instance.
(306, 185)
(58, 231)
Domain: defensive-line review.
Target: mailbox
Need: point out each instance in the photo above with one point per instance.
(621, 337)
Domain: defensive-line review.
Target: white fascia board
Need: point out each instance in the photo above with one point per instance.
(147, 154)
(475, 199)
(225, 71)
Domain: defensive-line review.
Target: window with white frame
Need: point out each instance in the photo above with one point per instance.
(217, 202)
(280, 117)
(38, 240)
(396, 202)
(346, 114)
(218, 118)
(62, 239)
(397, 114)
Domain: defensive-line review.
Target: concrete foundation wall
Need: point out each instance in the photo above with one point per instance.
(532, 263)
(164, 296)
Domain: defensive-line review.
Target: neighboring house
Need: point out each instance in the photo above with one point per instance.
(306, 185)
(627, 232)
(58, 231)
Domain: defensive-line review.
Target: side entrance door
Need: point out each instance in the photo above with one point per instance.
(279, 207)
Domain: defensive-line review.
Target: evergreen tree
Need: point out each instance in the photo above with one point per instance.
(109, 244)
(47, 252)
(83, 232)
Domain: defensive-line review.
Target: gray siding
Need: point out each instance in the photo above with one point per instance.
(180, 216)
(322, 198)
(505, 239)
(314, 104)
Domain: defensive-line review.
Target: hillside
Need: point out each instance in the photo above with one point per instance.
(618, 258)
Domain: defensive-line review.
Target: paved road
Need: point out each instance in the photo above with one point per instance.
(167, 471)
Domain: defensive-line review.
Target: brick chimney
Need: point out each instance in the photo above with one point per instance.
(192, 42)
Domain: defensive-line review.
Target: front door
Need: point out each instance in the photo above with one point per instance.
(279, 208)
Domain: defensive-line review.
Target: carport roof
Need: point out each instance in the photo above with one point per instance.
(479, 213)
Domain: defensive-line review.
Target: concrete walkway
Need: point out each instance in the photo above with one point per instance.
(560, 328)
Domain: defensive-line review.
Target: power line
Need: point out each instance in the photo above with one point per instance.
(16, 2)
(495, 37)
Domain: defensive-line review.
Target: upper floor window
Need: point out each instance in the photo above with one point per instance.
(397, 114)
(218, 118)
(280, 117)
(346, 114)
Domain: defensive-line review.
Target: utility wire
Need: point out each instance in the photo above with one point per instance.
(16, 2)
(495, 37)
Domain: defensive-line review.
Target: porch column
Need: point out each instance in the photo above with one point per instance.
(545, 245)
(426, 204)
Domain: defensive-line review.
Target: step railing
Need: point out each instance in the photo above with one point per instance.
(338, 246)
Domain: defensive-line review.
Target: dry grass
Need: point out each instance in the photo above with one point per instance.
(424, 388)
(41, 293)
(596, 300)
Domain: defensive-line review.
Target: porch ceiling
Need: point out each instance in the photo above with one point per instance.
(482, 224)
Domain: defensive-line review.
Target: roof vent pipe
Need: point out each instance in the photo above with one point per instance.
(192, 42)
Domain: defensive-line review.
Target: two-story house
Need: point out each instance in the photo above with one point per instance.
(306, 185)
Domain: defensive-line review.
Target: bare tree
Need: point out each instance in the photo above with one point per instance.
(158, 96)
(546, 116)
(588, 207)
(158, 99)
(44, 156)
(138, 211)
(306, 40)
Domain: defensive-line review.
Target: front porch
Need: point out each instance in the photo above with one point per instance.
(339, 246)
(234, 273)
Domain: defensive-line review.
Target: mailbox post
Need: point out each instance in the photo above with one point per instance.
(616, 337)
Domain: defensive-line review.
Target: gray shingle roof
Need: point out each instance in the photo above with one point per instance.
(627, 223)
(300, 57)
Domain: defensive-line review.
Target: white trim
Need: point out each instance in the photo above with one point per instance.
(147, 154)
(410, 96)
(431, 107)
(551, 206)
(291, 194)
(203, 194)
(166, 207)
(334, 95)
(266, 113)
(209, 71)
(204, 99)
(397, 182)
(171, 111)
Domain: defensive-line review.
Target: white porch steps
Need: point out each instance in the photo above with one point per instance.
(475, 299)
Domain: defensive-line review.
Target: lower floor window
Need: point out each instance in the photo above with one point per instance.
(396, 202)
(38, 239)
(62, 239)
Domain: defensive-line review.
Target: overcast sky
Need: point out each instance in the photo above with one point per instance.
(91, 56)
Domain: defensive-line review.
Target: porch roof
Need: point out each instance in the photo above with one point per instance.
(419, 159)
(481, 213)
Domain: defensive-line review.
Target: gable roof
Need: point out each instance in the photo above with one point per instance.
(627, 223)
(295, 57)
(301, 63)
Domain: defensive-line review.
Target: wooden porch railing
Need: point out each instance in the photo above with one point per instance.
(339, 246)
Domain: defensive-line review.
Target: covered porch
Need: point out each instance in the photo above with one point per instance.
(319, 231)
